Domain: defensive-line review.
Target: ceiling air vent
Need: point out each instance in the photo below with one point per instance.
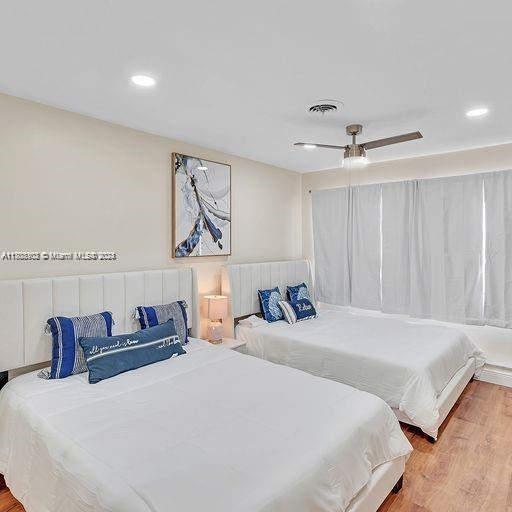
(322, 108)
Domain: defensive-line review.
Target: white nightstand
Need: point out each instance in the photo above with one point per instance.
(232, 344)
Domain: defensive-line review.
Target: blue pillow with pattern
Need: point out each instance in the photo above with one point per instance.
(297, 311)
(67, 354)
(298, 292)
(269, 304)
(150, 316)
(110, 356)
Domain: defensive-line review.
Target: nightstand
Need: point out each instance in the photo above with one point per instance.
(232, 344)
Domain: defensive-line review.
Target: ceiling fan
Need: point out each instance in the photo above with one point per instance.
(355, 154)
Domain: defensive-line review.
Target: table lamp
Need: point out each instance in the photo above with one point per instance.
(217, 310)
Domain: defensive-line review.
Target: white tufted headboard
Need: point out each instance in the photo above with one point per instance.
(241, 284)
(26, 305)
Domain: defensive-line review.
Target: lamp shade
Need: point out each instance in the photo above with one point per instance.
(217, 306)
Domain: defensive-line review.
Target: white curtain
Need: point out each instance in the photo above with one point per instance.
(397, 218)
(446, 250)
(365, 247)
(438, 248)
(330, 235)
(498, 274)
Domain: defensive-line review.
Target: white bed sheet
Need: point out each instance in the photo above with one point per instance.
(212, 431)
(407, 364)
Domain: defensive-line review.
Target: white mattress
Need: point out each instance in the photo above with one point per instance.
(212, 431)
(406, 364)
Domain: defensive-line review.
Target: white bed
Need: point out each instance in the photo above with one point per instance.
(212, 430)
(419, 370)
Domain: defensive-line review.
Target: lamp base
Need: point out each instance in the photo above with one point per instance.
(215, 332)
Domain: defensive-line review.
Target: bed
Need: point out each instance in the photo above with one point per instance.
(210, 430)
(419, 370)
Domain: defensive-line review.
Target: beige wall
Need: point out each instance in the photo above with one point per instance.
(497, 343)
(73, 183)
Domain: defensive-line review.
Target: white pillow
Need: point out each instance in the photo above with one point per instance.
(252, 321)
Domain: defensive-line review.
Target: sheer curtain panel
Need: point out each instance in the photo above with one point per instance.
(330, 235)
(498, 224)
(365, 247)
(397, 218)
(447, 250)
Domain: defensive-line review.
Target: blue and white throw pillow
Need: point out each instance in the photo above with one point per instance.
(110, 356)
(298, 292)
(150, 316)
(269, 304)
(67, 355)
(297, 311)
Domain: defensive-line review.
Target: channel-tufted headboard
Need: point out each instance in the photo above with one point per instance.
(241, 283)
(26, 304)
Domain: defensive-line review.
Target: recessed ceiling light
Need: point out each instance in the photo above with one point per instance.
(477, 112)
(143, 80)
(309, 146)
(202, 168)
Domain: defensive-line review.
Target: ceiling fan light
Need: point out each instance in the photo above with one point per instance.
(354, 162)
(309, 146)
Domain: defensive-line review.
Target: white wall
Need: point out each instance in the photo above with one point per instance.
(73, 183)
(497, 343)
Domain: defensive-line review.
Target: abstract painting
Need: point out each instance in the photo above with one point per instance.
(202, 207)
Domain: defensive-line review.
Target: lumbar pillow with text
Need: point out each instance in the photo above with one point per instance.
(107, 357)
(67, 355)
(269, 304)
(297, 292)
(149, 316)
(297, 311)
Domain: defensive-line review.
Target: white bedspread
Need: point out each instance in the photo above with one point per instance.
(210, 431)
(406, 364)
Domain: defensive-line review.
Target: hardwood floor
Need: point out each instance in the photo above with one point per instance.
(7, 502)
(469, 469)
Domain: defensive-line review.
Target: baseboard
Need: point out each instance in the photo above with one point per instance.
(496, 374)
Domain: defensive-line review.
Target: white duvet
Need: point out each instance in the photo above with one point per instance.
(406, 364)
(209, 431)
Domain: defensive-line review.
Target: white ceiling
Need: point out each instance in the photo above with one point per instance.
(238, 76)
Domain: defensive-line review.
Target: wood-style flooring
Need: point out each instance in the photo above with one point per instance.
(469, 469)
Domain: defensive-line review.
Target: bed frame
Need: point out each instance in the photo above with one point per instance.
(26, 304)
(242, 282)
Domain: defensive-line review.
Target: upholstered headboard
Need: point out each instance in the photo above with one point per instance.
(26, 304)
(241, 283)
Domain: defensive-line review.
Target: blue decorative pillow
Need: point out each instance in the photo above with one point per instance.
(67, 355)
(110, 356)
(298, 292)
(297, 311)
(269, 304)
(149, 316)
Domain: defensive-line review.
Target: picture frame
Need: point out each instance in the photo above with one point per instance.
(201, 207)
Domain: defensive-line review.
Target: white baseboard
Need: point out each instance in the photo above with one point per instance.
(496, 374)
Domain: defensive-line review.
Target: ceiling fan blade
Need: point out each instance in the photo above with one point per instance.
(314, 144)
(391, 140)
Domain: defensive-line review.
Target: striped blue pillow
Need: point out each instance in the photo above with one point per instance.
(297, 311)
(67, 354)
(110, 356)
(150, 316)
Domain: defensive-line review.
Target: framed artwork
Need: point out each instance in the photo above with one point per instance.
(201, 198)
